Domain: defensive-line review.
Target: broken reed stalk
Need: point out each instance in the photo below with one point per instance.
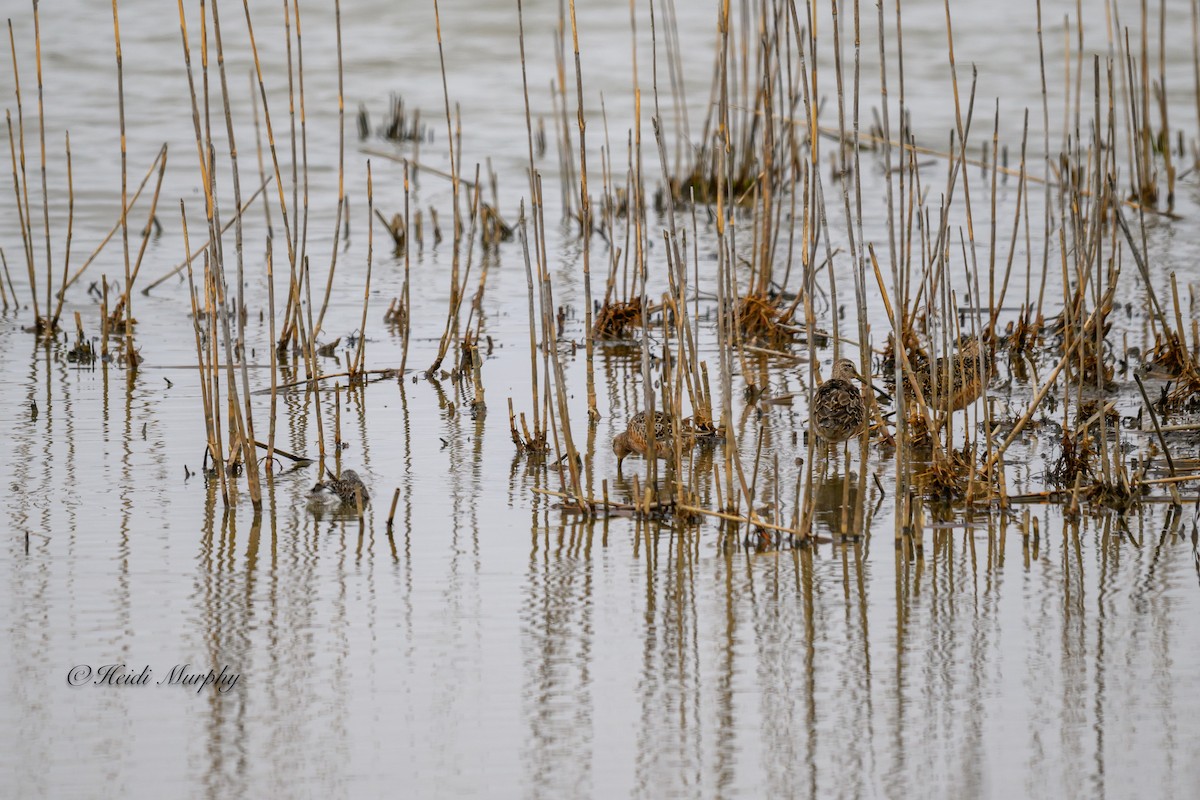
(392, 510)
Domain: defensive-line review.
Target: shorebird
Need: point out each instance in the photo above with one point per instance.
(348, 488)
(633, 438)
(838, 411)
(960, 377)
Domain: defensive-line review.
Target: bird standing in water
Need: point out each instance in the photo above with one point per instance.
(838, 411)
(348, 488)
(960, 378)
(634, 438)
(966, 372)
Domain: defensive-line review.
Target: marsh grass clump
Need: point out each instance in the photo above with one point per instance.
(396, 316)
(1170, 355)
(1091, 408)
(763, 319)
(1074, 460)
(82, 352)
(1116, 496)
(701, 429)
(493, 228)
(701, 184)
(1022, 337)
(398, 126)
(946, 478)
(615, 318)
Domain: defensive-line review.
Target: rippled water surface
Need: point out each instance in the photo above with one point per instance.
(491, 645)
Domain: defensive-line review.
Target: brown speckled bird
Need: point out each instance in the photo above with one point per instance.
(965, 372)
(838, 411)
(633, 439)
(346, 487)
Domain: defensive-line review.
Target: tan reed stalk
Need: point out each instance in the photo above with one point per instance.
(4, 291)
(558, 99)
(262, 169)
(1145, 134)
(271, 418)
(1195, 9)
(392, 510)
(206, 401)
(404, 294)
(454, 183)
(854, 239)
(1162, 441)
(37, 46)
(131, 358)
(20, 181)
(244, 417)
(104, 321)
(539, 440)
(262, 90)
(998, 303)
(899, 279)
(459, 291)
(550, 337)
(1155, 307)
(585, 211)
(292, 320)
(296, 101)
(70, 231)
(150, 220)
(360, 351)
(337, 430)
(859, 258)
(724, 305)
(312, 365)
(341, 208)
(648, 399)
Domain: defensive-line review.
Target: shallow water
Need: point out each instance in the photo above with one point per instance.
(492, 645)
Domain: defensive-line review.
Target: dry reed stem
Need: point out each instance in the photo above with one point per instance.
(131, 357)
